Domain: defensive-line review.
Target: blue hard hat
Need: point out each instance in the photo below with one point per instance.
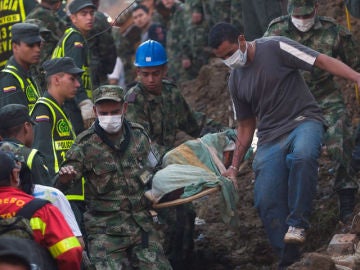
(150, 54)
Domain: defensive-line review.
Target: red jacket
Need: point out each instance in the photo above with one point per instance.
(49, 227)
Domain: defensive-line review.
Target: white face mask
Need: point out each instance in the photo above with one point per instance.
(111, 123)
(238, 59)
(303, 25)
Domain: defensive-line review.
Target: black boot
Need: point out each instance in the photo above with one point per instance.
(347, 204)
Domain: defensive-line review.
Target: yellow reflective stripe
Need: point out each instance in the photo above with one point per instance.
(59, 51)
(8, 70)
(37, 223)
(22, 11)
(78, 197)
(63, 145)
(64, 246)
(30, 158)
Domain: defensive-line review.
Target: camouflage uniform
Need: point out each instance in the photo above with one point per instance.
(116, 220)
(221, 11)
(329, 38)
(174, 36)
(102, 50)
(195, 42)
(126, 44)
(162, 116)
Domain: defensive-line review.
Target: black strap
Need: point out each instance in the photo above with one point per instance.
(31, 207)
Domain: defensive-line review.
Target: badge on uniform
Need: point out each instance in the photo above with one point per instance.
(145, 177)
(78, 44)
(9, 89)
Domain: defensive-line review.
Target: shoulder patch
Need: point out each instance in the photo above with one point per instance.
(42, 118)
(131, 97)
(9, 89)
(327, 19)
(78, 44)
(84, 134)
(279, 19)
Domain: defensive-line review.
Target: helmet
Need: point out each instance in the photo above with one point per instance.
(150, 54)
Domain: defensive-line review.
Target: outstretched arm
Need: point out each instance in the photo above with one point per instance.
(337, 68)
(245, 133)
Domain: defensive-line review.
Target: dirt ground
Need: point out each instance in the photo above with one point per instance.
(246, 247)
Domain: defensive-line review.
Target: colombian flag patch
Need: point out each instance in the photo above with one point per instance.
(9, 89)
(78, 44)
(42, 118)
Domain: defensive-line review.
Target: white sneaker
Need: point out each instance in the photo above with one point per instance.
(295, 235)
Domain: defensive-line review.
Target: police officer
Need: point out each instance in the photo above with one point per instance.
(16, 83)
(113, 157)
(12, 12)
(54, 134)
(327, 36)
(73, 44)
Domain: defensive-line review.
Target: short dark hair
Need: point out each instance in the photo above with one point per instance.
(221, 32)
(144, 8)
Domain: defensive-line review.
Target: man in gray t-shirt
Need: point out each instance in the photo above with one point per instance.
(268, 92)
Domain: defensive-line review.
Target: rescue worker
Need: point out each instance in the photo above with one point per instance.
(113, 157)
(48, 224)
(12, 12)
(304, 25)
(160, 108)
(16, 83)
(73, 44)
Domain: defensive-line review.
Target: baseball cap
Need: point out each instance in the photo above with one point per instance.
(12, 115)
(8, 163)
(26, 32)
(77, 5)
(301, 7)
(63, 64)
(108, 92)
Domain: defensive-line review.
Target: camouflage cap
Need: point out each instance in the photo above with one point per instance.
(108, 92)
(8, 163)
(26, 32)
(301, 7)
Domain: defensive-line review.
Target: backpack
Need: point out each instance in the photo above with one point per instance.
(16, 231)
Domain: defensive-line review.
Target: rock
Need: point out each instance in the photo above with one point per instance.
(342, 244)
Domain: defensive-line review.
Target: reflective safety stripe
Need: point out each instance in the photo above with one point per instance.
(64, 246)
(37, 223)
(30, 158)
(59, 50)
(63, 144)
(12, 70)
(81, 195)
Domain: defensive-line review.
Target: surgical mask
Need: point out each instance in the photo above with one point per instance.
(238, 59)
(303, 25)
(111, 123)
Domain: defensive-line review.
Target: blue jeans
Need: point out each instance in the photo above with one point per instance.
(286, 172)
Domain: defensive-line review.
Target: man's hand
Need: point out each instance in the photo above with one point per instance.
(66, 174)
(232, 173)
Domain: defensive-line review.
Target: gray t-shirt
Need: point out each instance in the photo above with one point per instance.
(272, 88)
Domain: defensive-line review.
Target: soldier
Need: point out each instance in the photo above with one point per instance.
(174, 36)
(102, 48)
(73, 44)
(325, 35)
(16, 83)
(12, 12)
(160, 108)
(113, 157)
